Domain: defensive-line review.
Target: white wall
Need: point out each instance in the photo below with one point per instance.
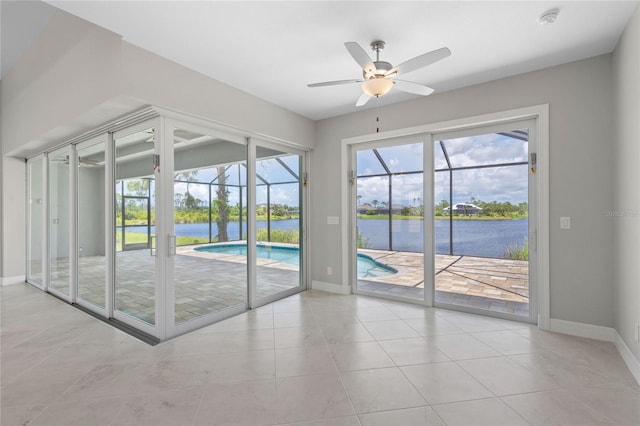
(72, 67)
(77, 76)
(581, 133)
(14, 243)
(626, 68)
(160, 82)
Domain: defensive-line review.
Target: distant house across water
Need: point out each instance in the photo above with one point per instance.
(466, 209)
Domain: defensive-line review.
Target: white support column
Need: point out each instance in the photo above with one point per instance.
(109, 224)
(73, 226)
(251, 221)
(428, 229)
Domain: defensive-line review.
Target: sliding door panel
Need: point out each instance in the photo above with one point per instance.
(279, 188)
(481, 193)
(390, 220)
(92, 260)
(36, 215)
(209, 208)
(135, 206)
(59, 239)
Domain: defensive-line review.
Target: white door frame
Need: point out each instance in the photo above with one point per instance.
(540, 113)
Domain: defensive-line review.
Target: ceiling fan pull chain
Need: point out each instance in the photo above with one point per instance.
(377, 114)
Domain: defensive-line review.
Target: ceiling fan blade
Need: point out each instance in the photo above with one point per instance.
(421, 61)
(333, 83)
(363, 99)
(360, 56)
(411, 87)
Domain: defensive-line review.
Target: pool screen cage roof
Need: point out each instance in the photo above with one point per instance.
(502, 149)
(270, 172)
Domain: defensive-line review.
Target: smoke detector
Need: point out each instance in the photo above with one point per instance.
(548, 17)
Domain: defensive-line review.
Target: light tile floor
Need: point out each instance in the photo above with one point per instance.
(313, 358)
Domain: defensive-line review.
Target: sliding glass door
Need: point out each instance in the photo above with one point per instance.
(152, 224)
(207, 262)
(279, 186)
(484, 210)
(136, 281)
(389, 194)
(455, 215)
(91, 220)
(59, 178)
(36, 225)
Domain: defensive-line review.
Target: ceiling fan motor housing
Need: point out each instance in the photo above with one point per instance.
(381, 69)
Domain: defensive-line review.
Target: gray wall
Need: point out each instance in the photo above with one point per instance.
(581, 142)
(626, 67)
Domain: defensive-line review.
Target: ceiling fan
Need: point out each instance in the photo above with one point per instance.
(380, 76)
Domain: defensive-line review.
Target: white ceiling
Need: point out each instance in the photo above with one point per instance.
(273, 49)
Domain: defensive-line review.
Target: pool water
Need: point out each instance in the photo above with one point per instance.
(367, 266)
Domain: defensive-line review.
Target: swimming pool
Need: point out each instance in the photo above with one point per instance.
(367, 266)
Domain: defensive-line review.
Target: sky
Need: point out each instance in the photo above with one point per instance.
(507, 183)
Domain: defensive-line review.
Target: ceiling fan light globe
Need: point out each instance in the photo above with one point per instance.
(377, 86)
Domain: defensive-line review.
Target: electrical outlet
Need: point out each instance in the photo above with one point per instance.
(329, 270)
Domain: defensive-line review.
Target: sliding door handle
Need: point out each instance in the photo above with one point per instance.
(171, 245)
(152, 243)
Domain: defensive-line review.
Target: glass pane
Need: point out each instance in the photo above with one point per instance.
(368, 164)
(135, 272)
(482, 224)
(36, 219)
(439, 158)
(210, 266)
(275, 170)
(372, 196)
(278, 224)
(390, 237)
(59, 277)
(408, 213)
(442, 224)
(492, 148)
(403, 158)
(91, 223)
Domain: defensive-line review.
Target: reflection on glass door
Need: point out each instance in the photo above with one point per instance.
(390, 225)
(279, 224)
(135, 194)
(136, 220)
(92, 260)
(36, 240)
(209, 207)
(482, 216)
(59, 176)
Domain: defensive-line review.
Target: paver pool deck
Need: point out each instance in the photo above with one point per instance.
(210, 282)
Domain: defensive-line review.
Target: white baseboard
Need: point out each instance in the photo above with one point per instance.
(579, 329)
(330, 287)
(19, 279)
(632, 362)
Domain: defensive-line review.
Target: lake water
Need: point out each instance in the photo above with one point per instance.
(487, 238)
